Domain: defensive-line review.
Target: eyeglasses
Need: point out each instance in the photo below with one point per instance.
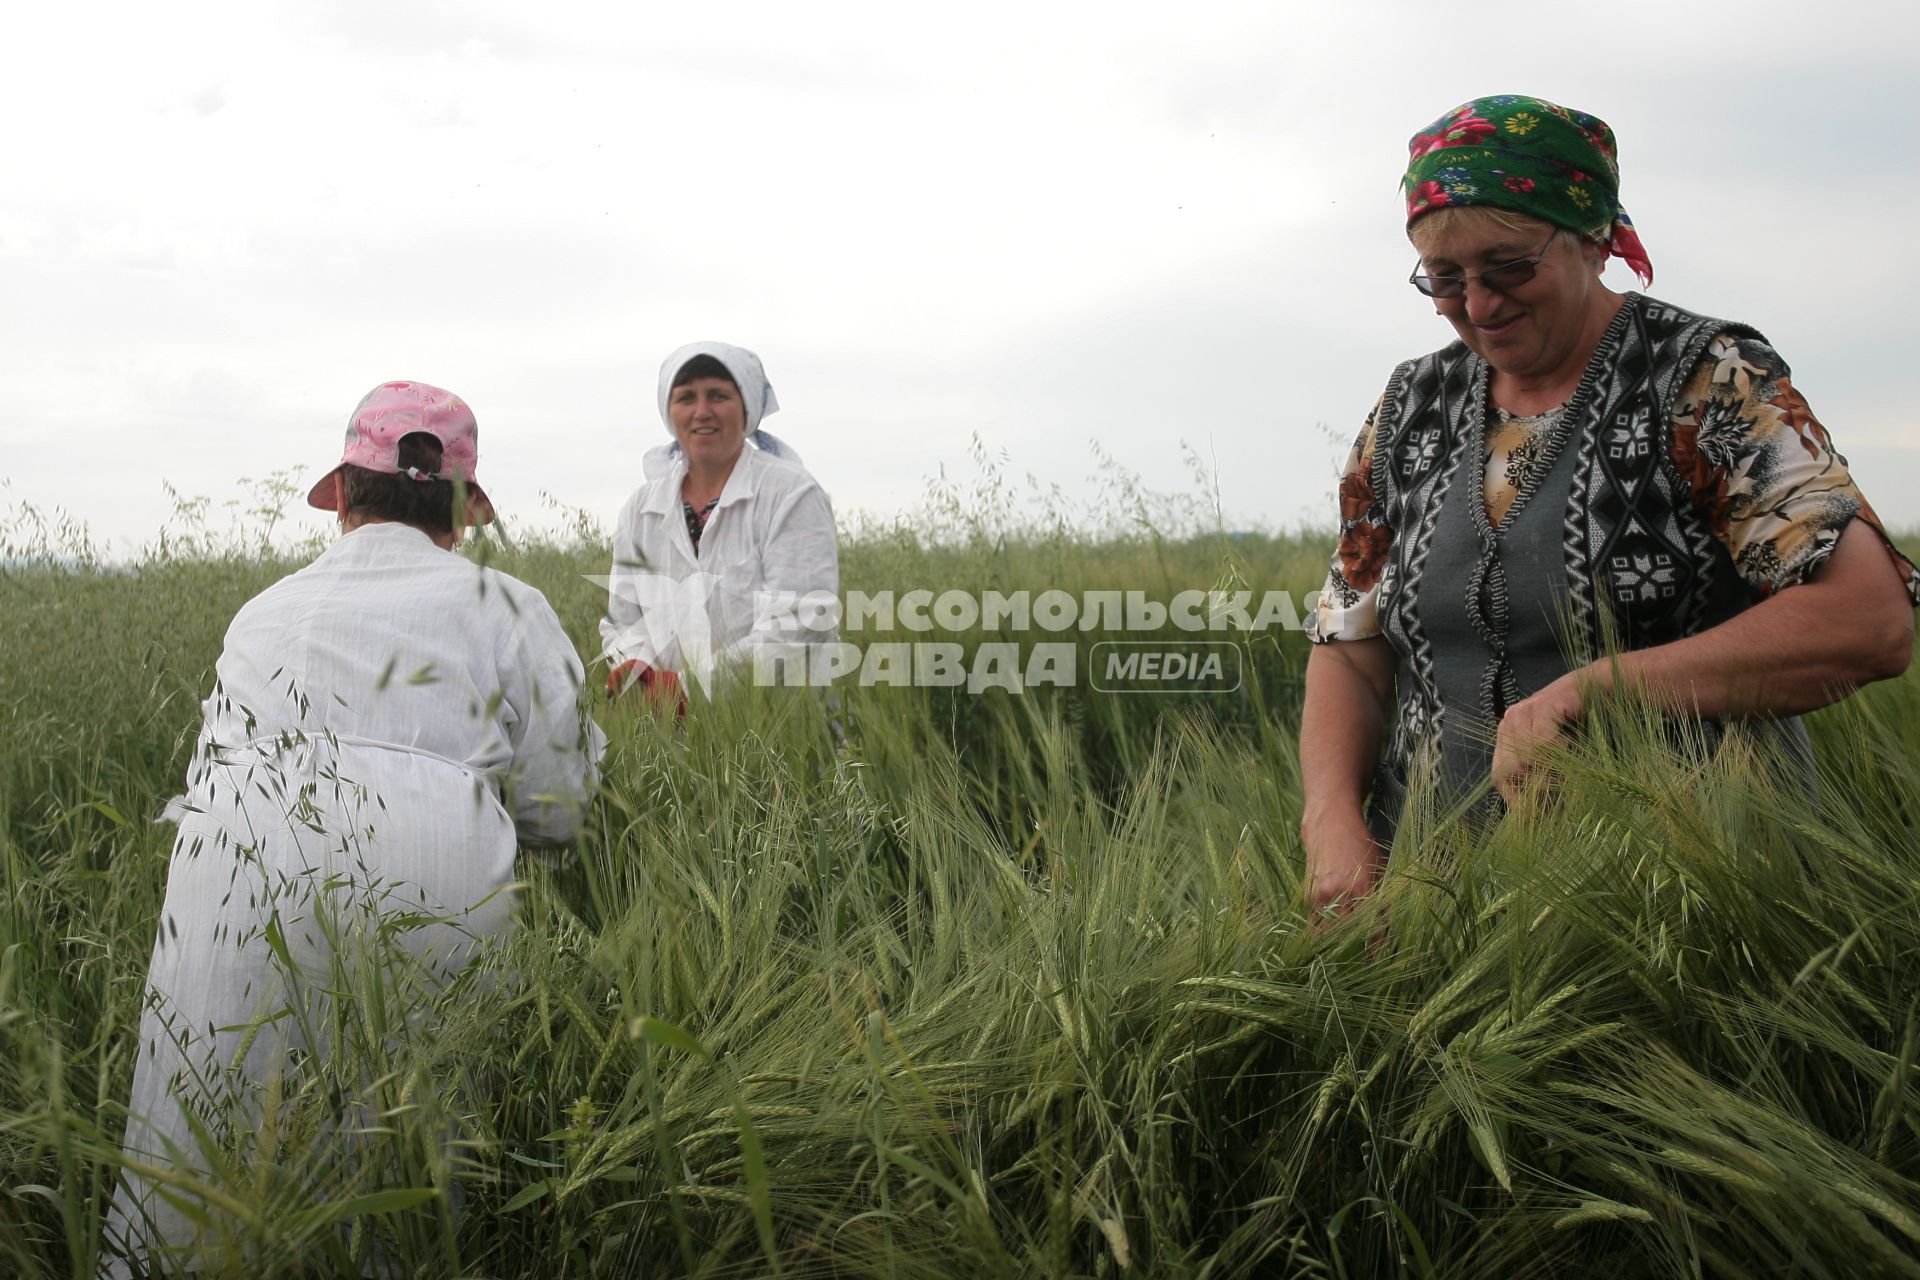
(1501, 279)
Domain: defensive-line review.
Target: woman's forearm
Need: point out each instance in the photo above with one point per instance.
(1797, 651)
(1349, 684)
(1802, 649)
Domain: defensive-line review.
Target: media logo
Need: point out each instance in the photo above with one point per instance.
(1165, 666)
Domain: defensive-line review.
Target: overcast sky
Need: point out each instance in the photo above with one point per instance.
(1041, 224)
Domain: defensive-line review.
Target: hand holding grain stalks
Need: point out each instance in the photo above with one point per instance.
(1529, 727)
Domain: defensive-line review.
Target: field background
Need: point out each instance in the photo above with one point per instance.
(1003, 985)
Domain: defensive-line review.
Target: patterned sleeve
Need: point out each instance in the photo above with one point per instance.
(1349, 603)
(1763, 471)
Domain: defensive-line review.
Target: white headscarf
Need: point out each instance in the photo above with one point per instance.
(756, 395)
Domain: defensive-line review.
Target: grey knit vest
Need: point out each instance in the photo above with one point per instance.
(1602, 549)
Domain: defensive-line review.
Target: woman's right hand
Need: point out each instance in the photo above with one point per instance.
(661, 685)
(1343, 862)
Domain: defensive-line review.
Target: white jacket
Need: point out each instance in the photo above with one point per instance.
(767, 572)
(385, 725)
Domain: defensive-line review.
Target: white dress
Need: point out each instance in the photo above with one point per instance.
(767, 573)
(385, 725)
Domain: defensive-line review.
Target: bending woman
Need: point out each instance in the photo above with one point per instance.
(727, 552)
(1650, 473)
(385, 725)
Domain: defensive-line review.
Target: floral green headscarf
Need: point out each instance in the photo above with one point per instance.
(1530, 156)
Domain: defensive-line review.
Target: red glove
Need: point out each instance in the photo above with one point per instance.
(663, 687)
(623, 675)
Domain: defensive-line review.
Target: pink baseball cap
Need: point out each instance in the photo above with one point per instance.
(395, 409)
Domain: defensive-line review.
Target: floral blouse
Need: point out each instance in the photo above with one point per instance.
(696, 520)
(1758, 464)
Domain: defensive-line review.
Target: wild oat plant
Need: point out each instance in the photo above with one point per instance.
(915, 982)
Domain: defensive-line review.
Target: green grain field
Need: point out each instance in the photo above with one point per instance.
(930, 983)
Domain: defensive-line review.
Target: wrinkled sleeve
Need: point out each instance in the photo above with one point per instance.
(1762, 471)
(556, 746)
(623, 631)
(1348, 608)
(800, 572)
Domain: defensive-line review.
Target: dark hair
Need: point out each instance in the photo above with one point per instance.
(703, 366)
(427, 505)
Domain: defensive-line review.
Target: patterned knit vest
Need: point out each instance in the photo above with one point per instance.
(1601, 551)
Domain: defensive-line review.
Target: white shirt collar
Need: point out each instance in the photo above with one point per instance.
(664, 498)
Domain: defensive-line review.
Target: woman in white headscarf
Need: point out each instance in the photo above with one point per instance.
(727, 552)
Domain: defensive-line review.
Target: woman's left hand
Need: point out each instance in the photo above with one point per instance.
(1529, 726)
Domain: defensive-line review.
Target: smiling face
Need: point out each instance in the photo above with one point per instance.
(1541, 332)
(709, 420)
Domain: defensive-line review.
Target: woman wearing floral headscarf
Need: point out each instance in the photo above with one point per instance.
(1578, 456)
(728, 550)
